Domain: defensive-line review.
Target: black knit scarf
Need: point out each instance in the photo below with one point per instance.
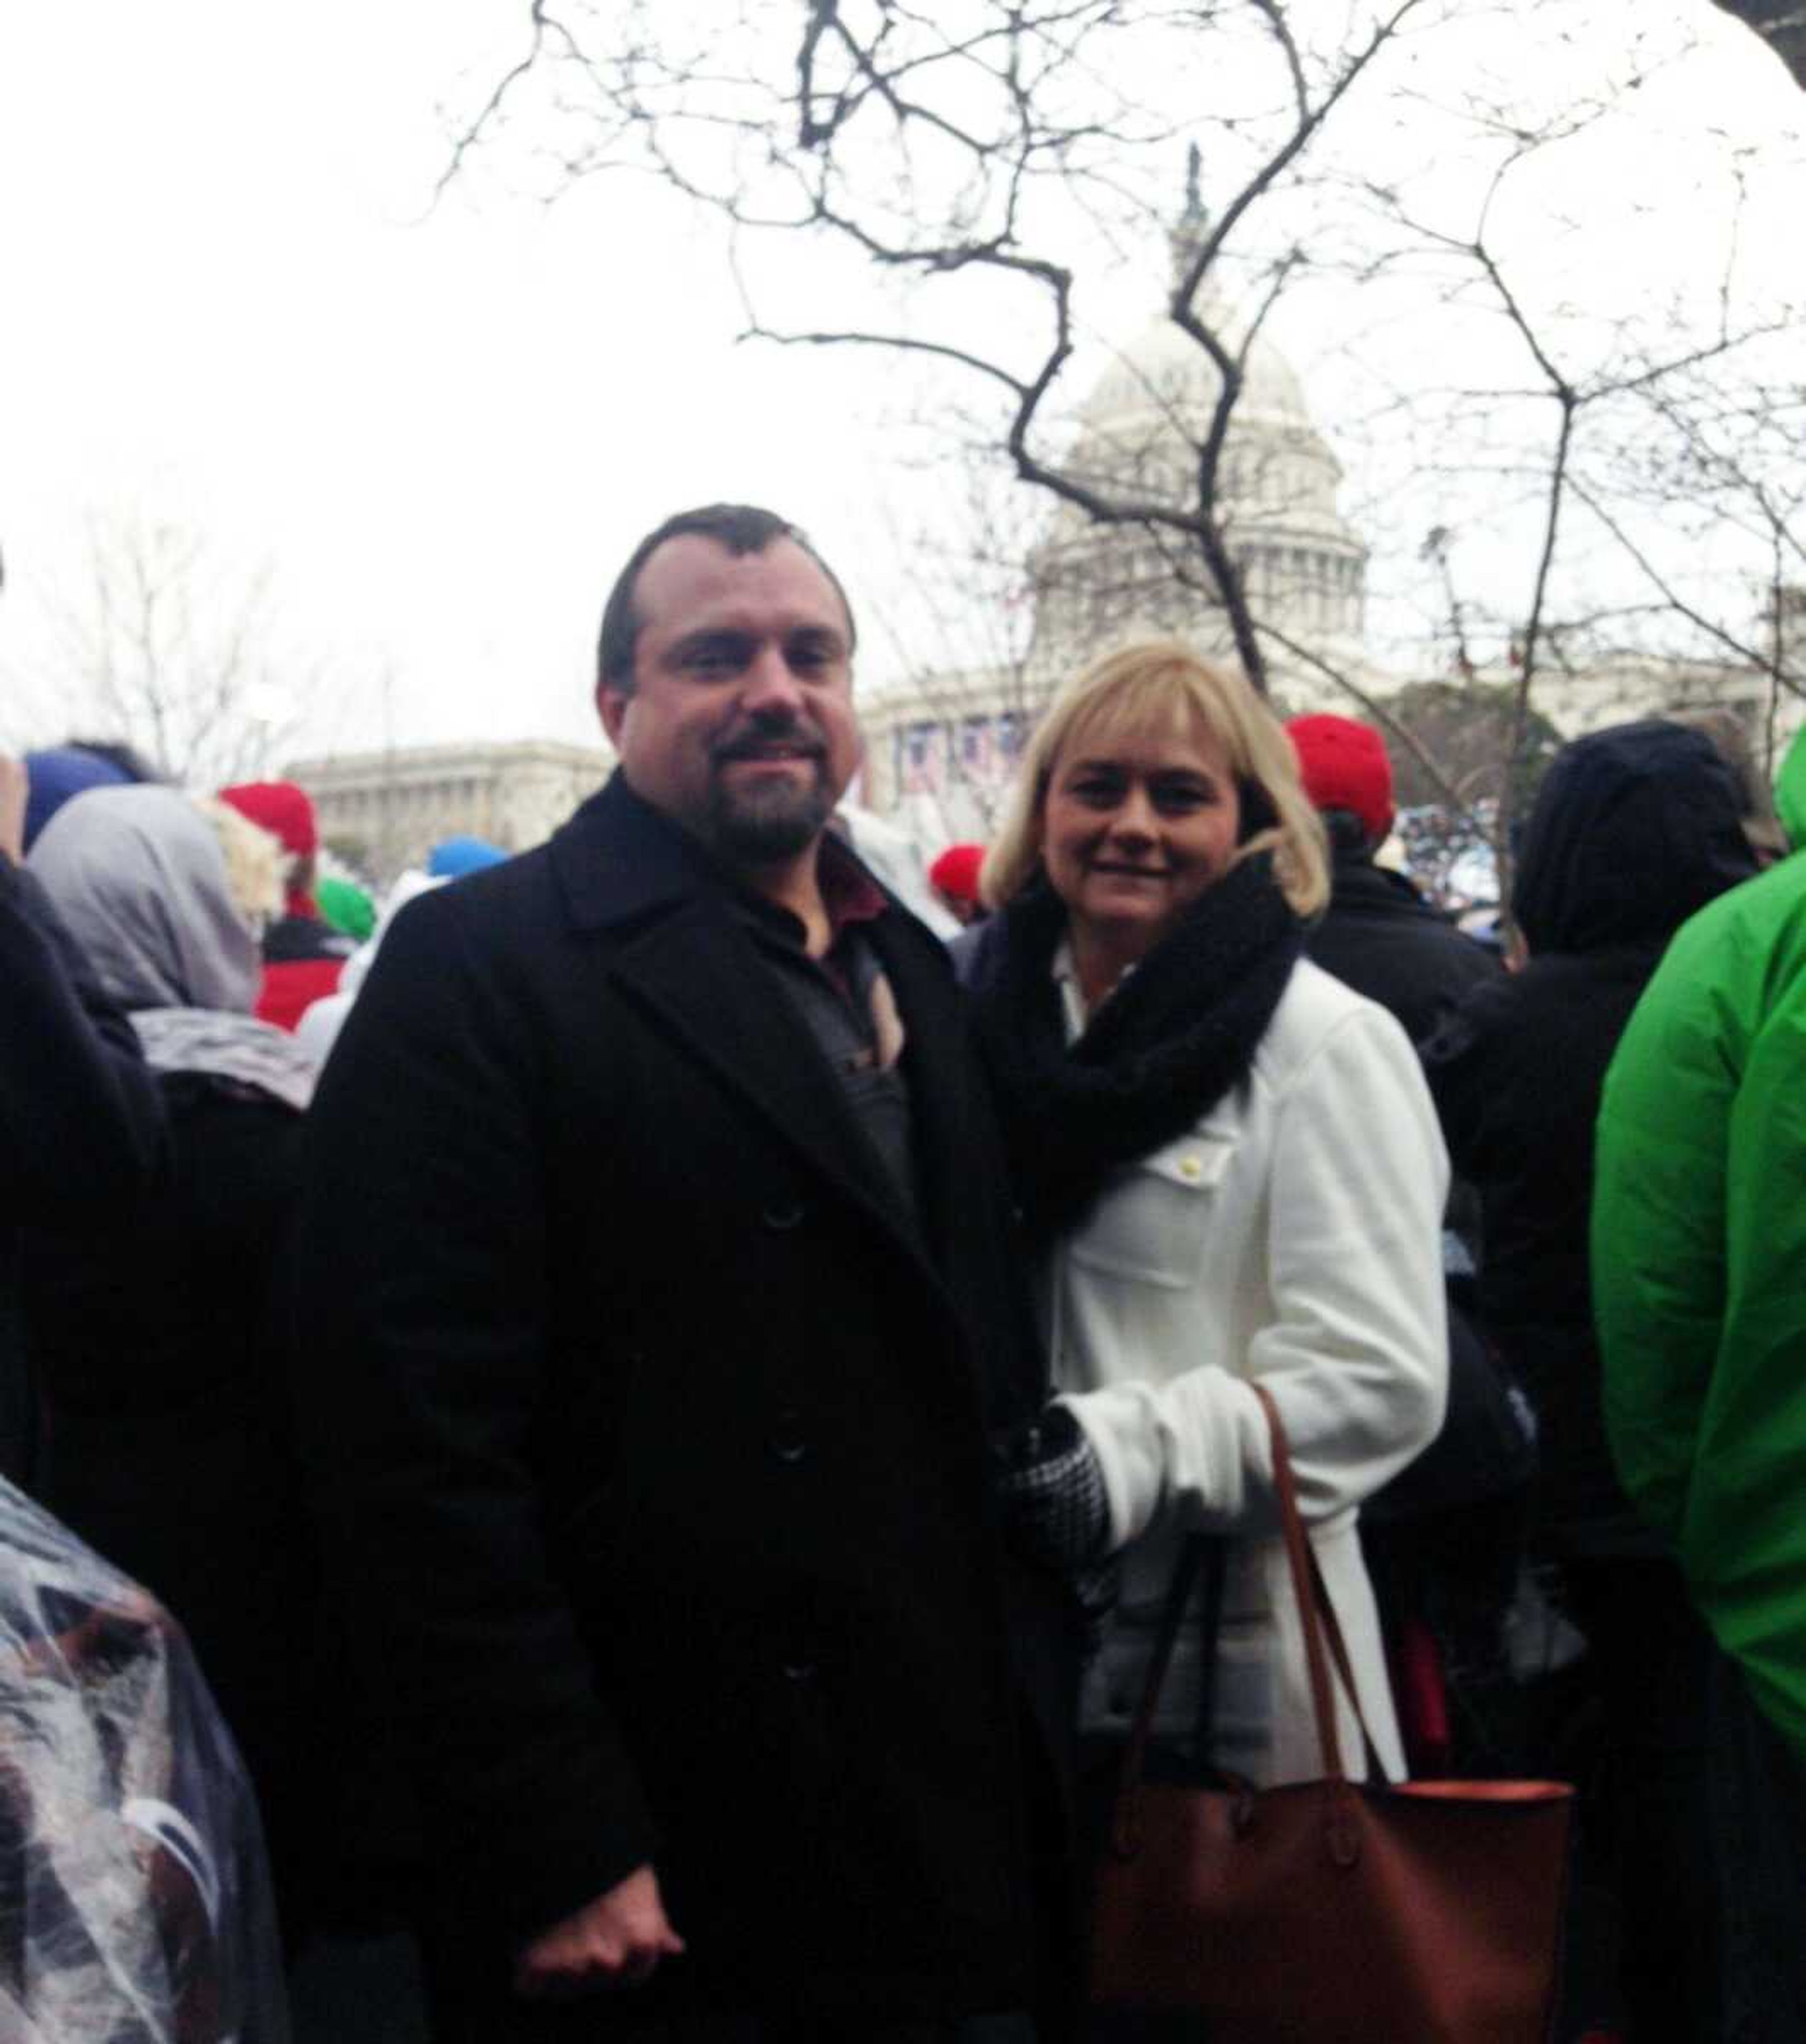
(1176, 1035)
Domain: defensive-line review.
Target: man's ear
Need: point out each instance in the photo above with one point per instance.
(611, 707)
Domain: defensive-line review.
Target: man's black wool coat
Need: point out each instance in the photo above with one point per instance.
(649, 1434)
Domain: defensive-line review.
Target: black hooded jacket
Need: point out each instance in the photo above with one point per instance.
(1633, 829)
(1380, 937)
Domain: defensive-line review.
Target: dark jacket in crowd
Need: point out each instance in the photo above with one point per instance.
(1633, 830)
(165, 1445)
(164, 1440)
(80, 1117)
(1380, 937)
(649, 1429)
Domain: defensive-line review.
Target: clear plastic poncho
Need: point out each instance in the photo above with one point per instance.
(135, 1902)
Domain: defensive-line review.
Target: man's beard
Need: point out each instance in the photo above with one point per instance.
(769, 820)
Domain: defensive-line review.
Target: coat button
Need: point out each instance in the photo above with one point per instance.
(783, 1214)
(1191, 1169)
(787, 1443)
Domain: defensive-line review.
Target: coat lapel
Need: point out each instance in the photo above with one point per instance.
(704, 978)
(934, 1061)
(966, 1203)
(680, 952)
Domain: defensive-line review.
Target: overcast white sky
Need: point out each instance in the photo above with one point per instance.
(220, 301)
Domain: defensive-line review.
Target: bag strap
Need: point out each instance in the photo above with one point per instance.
(1298, 1559)
(1344, 1667)
(1316, 1614)
(1209, 1638)
(1183, 1580)
(1317, 1620)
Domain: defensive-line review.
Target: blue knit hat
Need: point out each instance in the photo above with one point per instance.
(59, 772)
(453, 857)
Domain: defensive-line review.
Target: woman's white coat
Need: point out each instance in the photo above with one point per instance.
(1292, 1235)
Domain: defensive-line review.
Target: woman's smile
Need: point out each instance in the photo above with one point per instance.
(1135, 826)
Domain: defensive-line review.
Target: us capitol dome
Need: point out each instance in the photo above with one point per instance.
(940, 746)
(1138, 435)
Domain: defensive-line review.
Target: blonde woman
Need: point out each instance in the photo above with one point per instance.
(1231, 1170)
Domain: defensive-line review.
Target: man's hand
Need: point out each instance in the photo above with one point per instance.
(617, 1940)
(15, 785)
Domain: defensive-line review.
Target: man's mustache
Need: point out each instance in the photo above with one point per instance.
(761, 739)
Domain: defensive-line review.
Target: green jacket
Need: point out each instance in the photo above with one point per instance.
(1699, 1263)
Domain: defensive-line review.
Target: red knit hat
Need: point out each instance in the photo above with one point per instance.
(955, 873)
(1345, 766)
(280, 808)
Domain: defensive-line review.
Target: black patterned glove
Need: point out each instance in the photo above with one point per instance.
(1052, 1486)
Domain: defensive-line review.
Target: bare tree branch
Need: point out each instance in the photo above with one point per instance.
(999, 166)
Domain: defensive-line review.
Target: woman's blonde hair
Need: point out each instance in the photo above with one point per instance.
(255, 862)
(1161, 684)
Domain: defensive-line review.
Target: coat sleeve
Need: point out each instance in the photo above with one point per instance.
(81, 1121)
(1355, 1350)
(421, 1283)
(1659, 1226)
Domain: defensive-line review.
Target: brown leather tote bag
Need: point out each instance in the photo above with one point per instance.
(1331, 1911)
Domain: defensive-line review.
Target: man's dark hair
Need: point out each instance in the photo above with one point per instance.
(742, 529)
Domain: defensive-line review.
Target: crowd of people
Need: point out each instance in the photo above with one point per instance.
(668, 1396)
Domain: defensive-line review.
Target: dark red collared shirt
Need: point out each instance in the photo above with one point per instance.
(846, 1001)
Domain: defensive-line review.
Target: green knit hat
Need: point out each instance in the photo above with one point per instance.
(346, 906)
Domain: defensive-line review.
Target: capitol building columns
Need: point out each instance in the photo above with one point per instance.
(942, 749)
(383, 812)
